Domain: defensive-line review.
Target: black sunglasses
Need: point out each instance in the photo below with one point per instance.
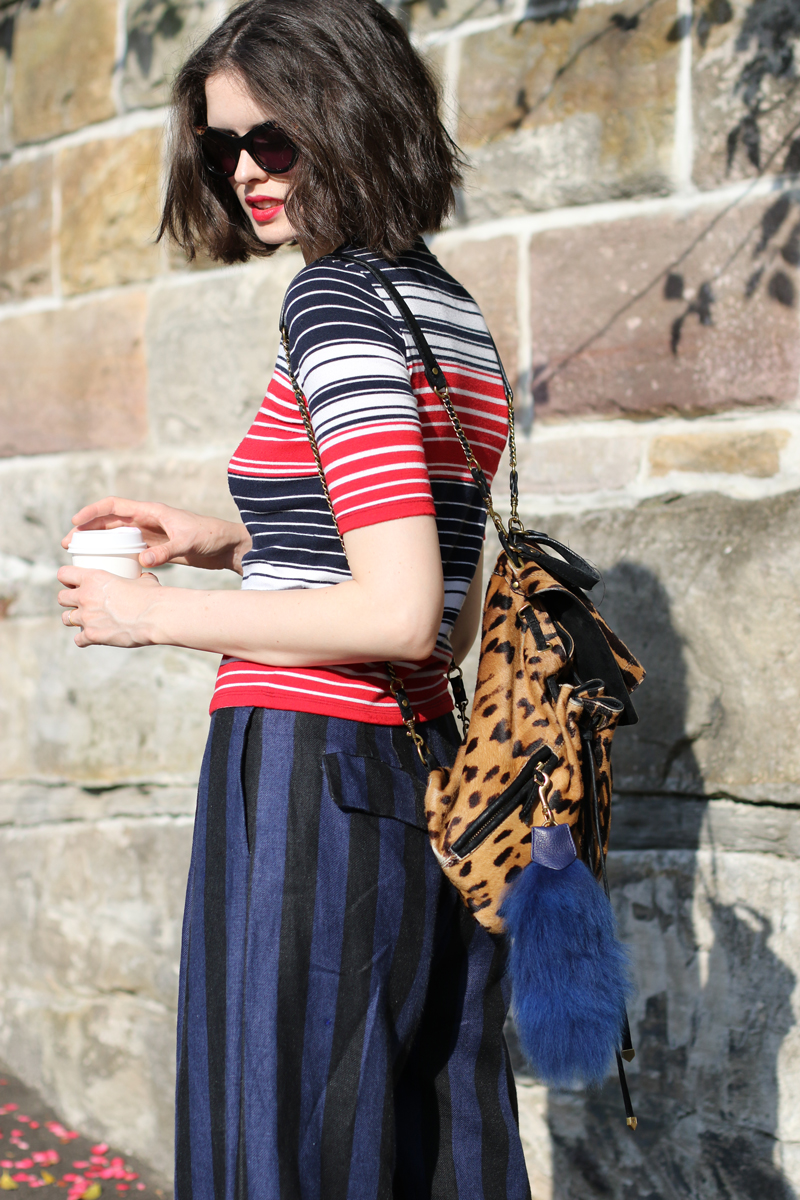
(267, 145)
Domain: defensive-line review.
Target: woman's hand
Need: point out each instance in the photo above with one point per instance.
(110, 611)
(172, 534)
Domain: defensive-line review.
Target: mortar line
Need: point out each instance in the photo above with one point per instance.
(607, 211)
(55, 230)
(114, 127)
(451, 71)
(524, 334)
(683, 146)
(120, 51)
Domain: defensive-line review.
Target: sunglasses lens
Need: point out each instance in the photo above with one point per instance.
(273, 151)
(221, 157)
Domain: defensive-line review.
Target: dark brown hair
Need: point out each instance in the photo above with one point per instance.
(340, 77)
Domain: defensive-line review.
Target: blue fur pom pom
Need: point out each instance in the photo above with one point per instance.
(569, 972)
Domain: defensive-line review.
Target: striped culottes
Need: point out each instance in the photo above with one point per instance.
(340, 1013)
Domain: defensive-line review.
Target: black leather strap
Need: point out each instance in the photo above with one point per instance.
(437, 381)
(570, 569)
(433, 372)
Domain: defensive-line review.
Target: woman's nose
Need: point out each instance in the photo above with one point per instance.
(247, 168)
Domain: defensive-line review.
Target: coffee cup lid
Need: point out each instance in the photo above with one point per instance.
(125, 540)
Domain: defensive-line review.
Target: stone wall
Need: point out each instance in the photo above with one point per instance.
(631, 227)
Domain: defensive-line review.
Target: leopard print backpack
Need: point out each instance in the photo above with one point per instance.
(520, 822)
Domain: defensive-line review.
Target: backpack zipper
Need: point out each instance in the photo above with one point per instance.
(516, 795)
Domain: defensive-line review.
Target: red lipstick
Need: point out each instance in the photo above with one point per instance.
(264, 208)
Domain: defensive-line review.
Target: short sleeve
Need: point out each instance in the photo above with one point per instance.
(351, 365)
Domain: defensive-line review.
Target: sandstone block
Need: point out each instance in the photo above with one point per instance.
(488, 270)
(38, 500)
(211, 346)
(110, 211)
(101, 715)
(160, 36)
(669, 313)
(577, 464)
(89, 961)
(745, 102)
(25, 229)
(63, 65)
(704, 590)
(198, 483)
(74, 378)
(129, 874)
(39, 497)
(714, 945)
(106, 1063)
(569, 111)
(754, 454)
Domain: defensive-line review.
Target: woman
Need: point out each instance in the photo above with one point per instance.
(341, 1014)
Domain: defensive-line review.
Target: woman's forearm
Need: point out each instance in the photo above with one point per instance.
(300, 627)
(390, 609)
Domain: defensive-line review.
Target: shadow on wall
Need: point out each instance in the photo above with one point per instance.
(709, 1019)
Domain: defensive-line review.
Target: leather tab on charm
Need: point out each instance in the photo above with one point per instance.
(552, 846)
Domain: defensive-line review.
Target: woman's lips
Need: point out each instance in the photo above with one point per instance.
(263, 208)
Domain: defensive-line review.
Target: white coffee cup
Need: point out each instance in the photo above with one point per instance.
(114, 550)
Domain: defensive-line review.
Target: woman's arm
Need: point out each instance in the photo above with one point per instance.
(468, 621)
(390, 610)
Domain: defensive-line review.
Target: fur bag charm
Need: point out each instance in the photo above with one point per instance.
(569, 972)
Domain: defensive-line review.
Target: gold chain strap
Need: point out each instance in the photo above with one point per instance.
(302, 404)
(444, 395)
(395, 684)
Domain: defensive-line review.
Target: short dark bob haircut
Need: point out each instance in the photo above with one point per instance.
(376, 168)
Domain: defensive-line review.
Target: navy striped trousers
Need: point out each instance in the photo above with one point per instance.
(340, 1013)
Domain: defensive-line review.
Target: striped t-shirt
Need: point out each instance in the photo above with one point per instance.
(388, 451)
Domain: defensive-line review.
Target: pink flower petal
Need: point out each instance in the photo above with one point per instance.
(100, 1148)
(34, 1125)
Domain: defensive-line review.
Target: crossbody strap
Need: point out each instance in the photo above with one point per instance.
(438, 383)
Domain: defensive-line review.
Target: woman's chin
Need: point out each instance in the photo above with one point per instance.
(273, 233)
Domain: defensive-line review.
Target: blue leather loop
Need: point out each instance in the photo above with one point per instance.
(552, 846)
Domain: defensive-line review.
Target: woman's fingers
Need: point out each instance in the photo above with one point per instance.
(114, 511)
(71, 577)
(159, 555)
(110, 506)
